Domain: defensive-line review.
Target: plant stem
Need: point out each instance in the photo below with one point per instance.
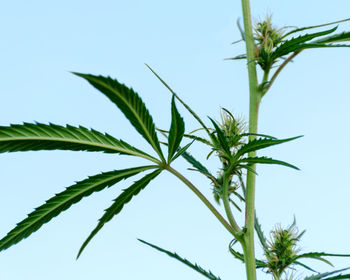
(226, 203)
(234, 231)
(264, 86)
(273, 78)
(254, 101)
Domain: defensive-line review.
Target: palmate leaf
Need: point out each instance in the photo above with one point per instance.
(62, 201)
(266, 160)
(176, 132)
(289, 45)
(180, 100)
(261, 143)
(132, 106)
(119, 203)
(35, 137)
(324, 276)
(195, 266)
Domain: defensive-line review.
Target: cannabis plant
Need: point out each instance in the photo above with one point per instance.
(268, 49)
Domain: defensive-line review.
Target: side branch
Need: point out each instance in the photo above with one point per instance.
(235, 231)
(278, 71)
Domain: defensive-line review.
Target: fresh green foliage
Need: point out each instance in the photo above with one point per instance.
(325, 276)
(272, 44)
(282, 253)
(62, 201)
(35, 137)
(266, 160)
(176, 132)
(225, 139)
(196, 267)
(240, 256)
(266, 47)
(235, 147)
(314, 26)
(180, 100)
(130, 104)
(119, 203)
(260, 233)
(261, 143)
(38, 137)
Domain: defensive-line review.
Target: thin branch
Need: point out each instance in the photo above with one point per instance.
(234, 231)
(226, 201)
(274, 76)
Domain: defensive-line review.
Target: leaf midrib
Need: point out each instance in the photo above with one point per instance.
(144, 128)
(76, 141)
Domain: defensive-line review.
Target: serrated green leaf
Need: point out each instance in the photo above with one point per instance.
(196, 138)
(195, 163)
(260, 234)
(304, 265)
(319, 255)
(249, 168)
(340, 276)
(261, 143)
(300, 47)
(35, 137)
(322, 276)
(342, 37)
(180, 100)
(195, 266)
(176, 132)
(132, 106)
(181, 151)
(221, 138)
(236, 254)
(290, 45)
(119, 203)
(62, 201)
(266, 160)
(314, 26)
(240, 256)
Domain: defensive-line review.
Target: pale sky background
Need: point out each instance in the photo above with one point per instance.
(185, 42)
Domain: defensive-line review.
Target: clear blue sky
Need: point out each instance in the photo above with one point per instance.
(185, 42)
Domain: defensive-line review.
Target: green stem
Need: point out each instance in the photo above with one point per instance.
(234, 231)
(264, 86)
(273, 78)
(254, 100)
(227, 207)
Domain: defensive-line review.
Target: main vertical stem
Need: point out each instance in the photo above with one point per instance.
(254, 101)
